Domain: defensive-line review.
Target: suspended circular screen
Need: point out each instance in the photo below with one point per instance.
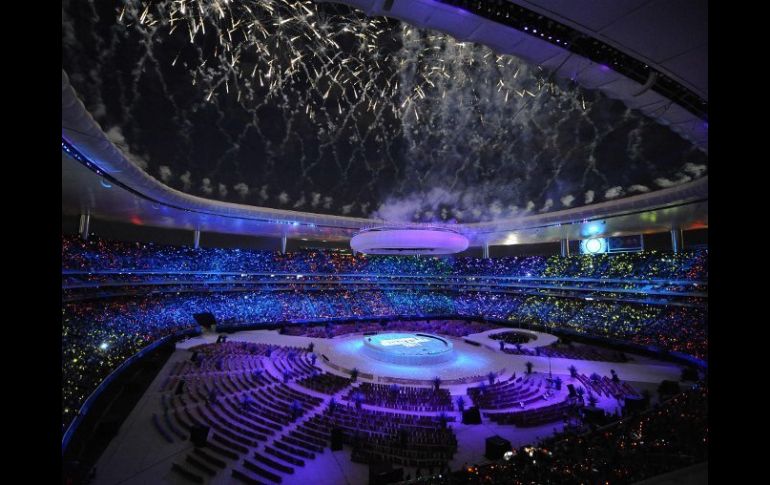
(409, 241)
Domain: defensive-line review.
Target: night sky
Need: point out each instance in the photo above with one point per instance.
(317, 108)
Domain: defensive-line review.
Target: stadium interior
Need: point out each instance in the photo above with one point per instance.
(384, 241)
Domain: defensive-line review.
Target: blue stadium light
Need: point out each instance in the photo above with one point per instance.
(104, 346)
(592, 229)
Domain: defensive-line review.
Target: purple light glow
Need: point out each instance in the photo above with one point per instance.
(409, 241)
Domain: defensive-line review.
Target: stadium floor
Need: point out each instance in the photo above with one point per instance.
(139, 455)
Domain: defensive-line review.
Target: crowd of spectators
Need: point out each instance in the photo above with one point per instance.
(668, 437)
(674, 328)
(640, 265)
(452, 328)
(98, 337)
(99, 334)
(684, 330)
(82, 285)
(97, 254)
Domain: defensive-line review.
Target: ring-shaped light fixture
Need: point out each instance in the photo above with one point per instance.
(409, 241)
(595, 245)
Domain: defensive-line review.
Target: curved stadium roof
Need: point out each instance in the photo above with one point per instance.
(99, 179)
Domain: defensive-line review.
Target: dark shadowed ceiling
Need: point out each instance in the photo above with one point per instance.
(314, 107)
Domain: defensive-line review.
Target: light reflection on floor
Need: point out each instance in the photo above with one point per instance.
(468, 361)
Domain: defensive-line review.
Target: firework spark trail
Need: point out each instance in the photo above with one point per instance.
(298, 16)
(432, 108)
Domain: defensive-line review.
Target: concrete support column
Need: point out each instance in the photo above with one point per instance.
(564, 248)
(676, 240)
(485, 250)
(641, 241)
(283, 244)
(197, 239)
(85, 224)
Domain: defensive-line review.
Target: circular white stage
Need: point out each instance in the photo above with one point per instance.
(454, 360)
(408, 348)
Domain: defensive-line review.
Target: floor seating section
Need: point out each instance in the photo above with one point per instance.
(266, 418)
(517, 392)
(405, 398)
